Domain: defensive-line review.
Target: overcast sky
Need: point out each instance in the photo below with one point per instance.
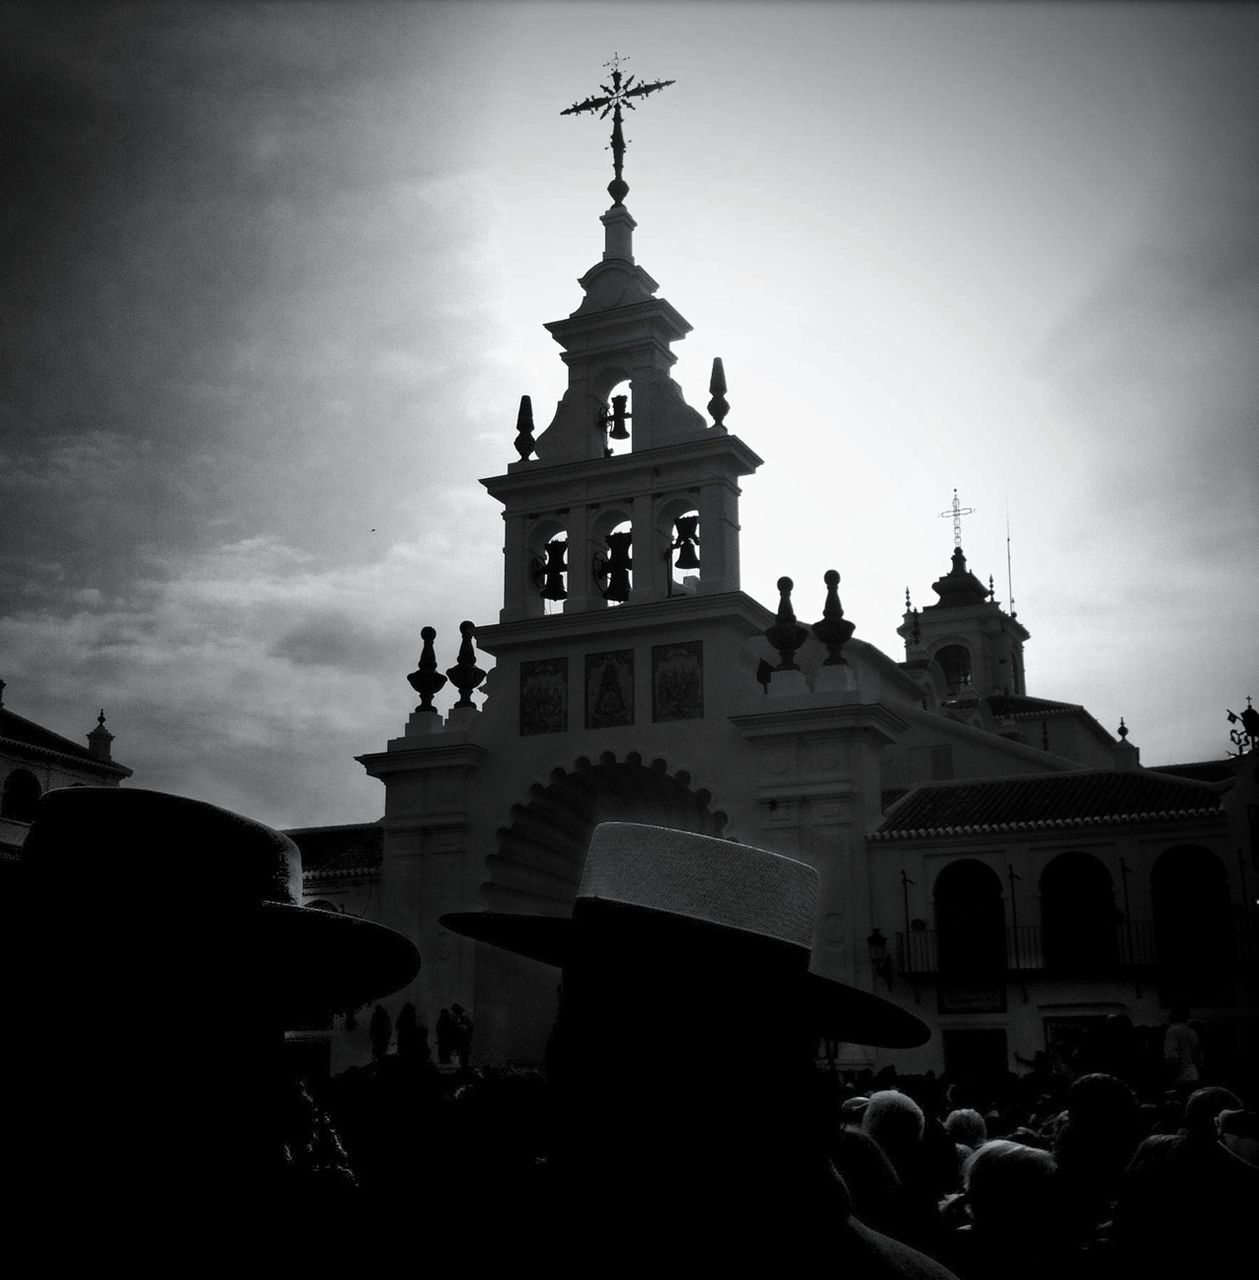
(273, 276)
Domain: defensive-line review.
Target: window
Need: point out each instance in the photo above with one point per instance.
(954, 660)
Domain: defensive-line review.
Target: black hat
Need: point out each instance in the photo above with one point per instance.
(170, 881)
(715, 888)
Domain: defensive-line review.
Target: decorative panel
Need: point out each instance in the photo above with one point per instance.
(544, 696)
(677, 681)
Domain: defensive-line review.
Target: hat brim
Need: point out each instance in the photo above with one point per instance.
(846, 1013)
(322, 958)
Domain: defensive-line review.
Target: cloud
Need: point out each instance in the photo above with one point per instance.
(249, 674)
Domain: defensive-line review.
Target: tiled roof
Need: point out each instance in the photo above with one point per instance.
(332, 852)
(1045, 801)
(1010, 704)
(18, 729)
(28, 738)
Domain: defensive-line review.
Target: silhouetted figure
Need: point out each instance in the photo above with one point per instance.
(161, 1118)
(897, 1123)
(1187, 1202)
(1093, 1149)
(1014, 1203)
(460, 1035)
(412, 1036)
(380, 1029)
(669, 1156)
(1182, 1051)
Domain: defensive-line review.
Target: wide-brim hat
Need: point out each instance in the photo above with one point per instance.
(176, 880)
(656, 874)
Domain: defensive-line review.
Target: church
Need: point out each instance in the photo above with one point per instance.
(997, 862)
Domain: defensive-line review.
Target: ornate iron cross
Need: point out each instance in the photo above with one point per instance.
(616, 96)
(957, 511)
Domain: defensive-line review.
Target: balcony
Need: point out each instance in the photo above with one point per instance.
(1128, 951)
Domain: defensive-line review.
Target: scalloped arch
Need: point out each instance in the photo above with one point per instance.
(540, 855)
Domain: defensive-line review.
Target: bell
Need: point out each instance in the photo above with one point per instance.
(688, 536)
(618, 567)
(553, 572)
(619, 418)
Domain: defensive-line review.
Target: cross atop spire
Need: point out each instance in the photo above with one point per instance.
(616, 96)
(957, 511)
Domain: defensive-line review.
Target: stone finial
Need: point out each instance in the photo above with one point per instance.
(908, 603)
(992, 590)
(524, 428)
(718, 406)
(98, 741)
(465, 675)
(916, 630)
(834, 630)
(786, 635)
(1123, 729)
(426, 680)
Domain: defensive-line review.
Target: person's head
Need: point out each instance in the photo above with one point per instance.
(1202, 1108)
(1012, 1189)
(894, 1120)
(966, 1127)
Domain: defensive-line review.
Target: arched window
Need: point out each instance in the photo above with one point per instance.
(1078, 916)
(970, 933)
(954, 660)
(617, 420)
(1193, 927)
(21, 796)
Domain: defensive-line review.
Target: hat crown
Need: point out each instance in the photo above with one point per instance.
(718, 882)
(158, 850)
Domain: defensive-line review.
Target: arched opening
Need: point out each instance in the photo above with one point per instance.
(677, 523)
(548, 567)
(1193, 927)
(617, 419)
(1079, 922)
(970, 934)
(21, 796)
(954, 660)
(541, 854)
(613, 565)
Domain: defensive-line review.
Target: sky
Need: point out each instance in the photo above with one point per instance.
(273, 278)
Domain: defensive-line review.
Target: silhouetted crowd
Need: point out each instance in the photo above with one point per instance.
(1048, 1173)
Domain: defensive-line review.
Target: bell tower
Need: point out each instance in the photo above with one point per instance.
(629, 496)
(978, 646)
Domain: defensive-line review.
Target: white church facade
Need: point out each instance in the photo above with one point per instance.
(997, 862)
